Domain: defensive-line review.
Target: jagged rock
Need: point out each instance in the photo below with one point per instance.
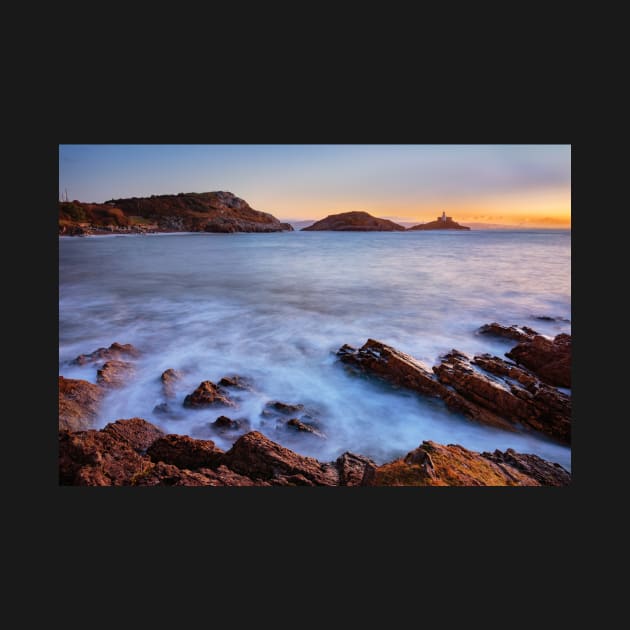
(236, 382)
(433, 464)
(402, 370)
(114, 374)
(275, 408)
(296, 425)
(258, 457)
(115, 352)
(136, 432)
(531, 403)
(184, 452)
(79, 401)
(208, 395)
(519, 333)
(546, 473)
(225, 425)
(97, 458)
(354, 222)
(169, 380)
(355, 470)
(548, 359)
(162, 409)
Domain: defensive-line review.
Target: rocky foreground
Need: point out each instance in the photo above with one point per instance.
(186, 212)
(134, 452)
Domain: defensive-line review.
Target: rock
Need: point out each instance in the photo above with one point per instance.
(223, 476)
(97, 458)
(223, 424)
(169, 380)
(296, 425)
(114, 374)
(433, 464)
(136, 432)
(162, 409)
(236, 382)
(519, 333)
(391, 365)
(275, 408)
(161, 474)
(259, 458)
(355, 470)
(546, 473)
(79, 401)
(184, 452)
(354, 222)
(526, 401)
(116, 352)
(515, 396)
(208, 395)
(548, 359)
(401, 370)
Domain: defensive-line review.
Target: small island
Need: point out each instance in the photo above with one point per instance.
(354, 222)
(441, 223)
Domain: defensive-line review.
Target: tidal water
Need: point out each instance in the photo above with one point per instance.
(276, 307)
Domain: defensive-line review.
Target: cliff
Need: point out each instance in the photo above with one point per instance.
(449, 224)
(354, 222)
(186, 212)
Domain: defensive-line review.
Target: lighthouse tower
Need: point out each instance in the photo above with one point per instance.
(444, 218)
(443, 215)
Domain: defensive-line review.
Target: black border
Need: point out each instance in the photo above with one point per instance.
(390, 518)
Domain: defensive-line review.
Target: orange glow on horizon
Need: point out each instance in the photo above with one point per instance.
(532, 209)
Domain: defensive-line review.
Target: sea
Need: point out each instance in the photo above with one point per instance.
(275, 308)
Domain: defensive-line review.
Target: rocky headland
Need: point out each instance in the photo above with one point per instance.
(217, 211)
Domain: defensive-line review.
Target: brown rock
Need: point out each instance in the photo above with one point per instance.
(258, 457)
(78, 404)
(546, 473)
(275, 407)
(169, 380)
(223, 476)
(208, 395)
(223, 424)
(116, 352)
(537, 406)
(184, 452)
(355, 470)
(296, 425)
(402, 370)
(161, 474)
(391, 365)
(519, 333)
(433, 464)
(136, 432)
(236, 382)
(548, 359)
(114, 374)
(97, 458)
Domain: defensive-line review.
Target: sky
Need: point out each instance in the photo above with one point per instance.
(527, 185)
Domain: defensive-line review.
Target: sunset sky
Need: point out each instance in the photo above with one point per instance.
(526, 185)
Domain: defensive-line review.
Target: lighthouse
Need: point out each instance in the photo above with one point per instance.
(444, 218)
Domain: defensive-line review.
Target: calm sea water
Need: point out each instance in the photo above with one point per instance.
(276, 307)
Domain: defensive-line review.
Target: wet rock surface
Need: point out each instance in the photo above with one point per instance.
(114, 374)
(79, 401)
(117, 456)
(116, 351)
(208, 394)
(550, 359)
(169, 379)
(486, 389)
(518, 333)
